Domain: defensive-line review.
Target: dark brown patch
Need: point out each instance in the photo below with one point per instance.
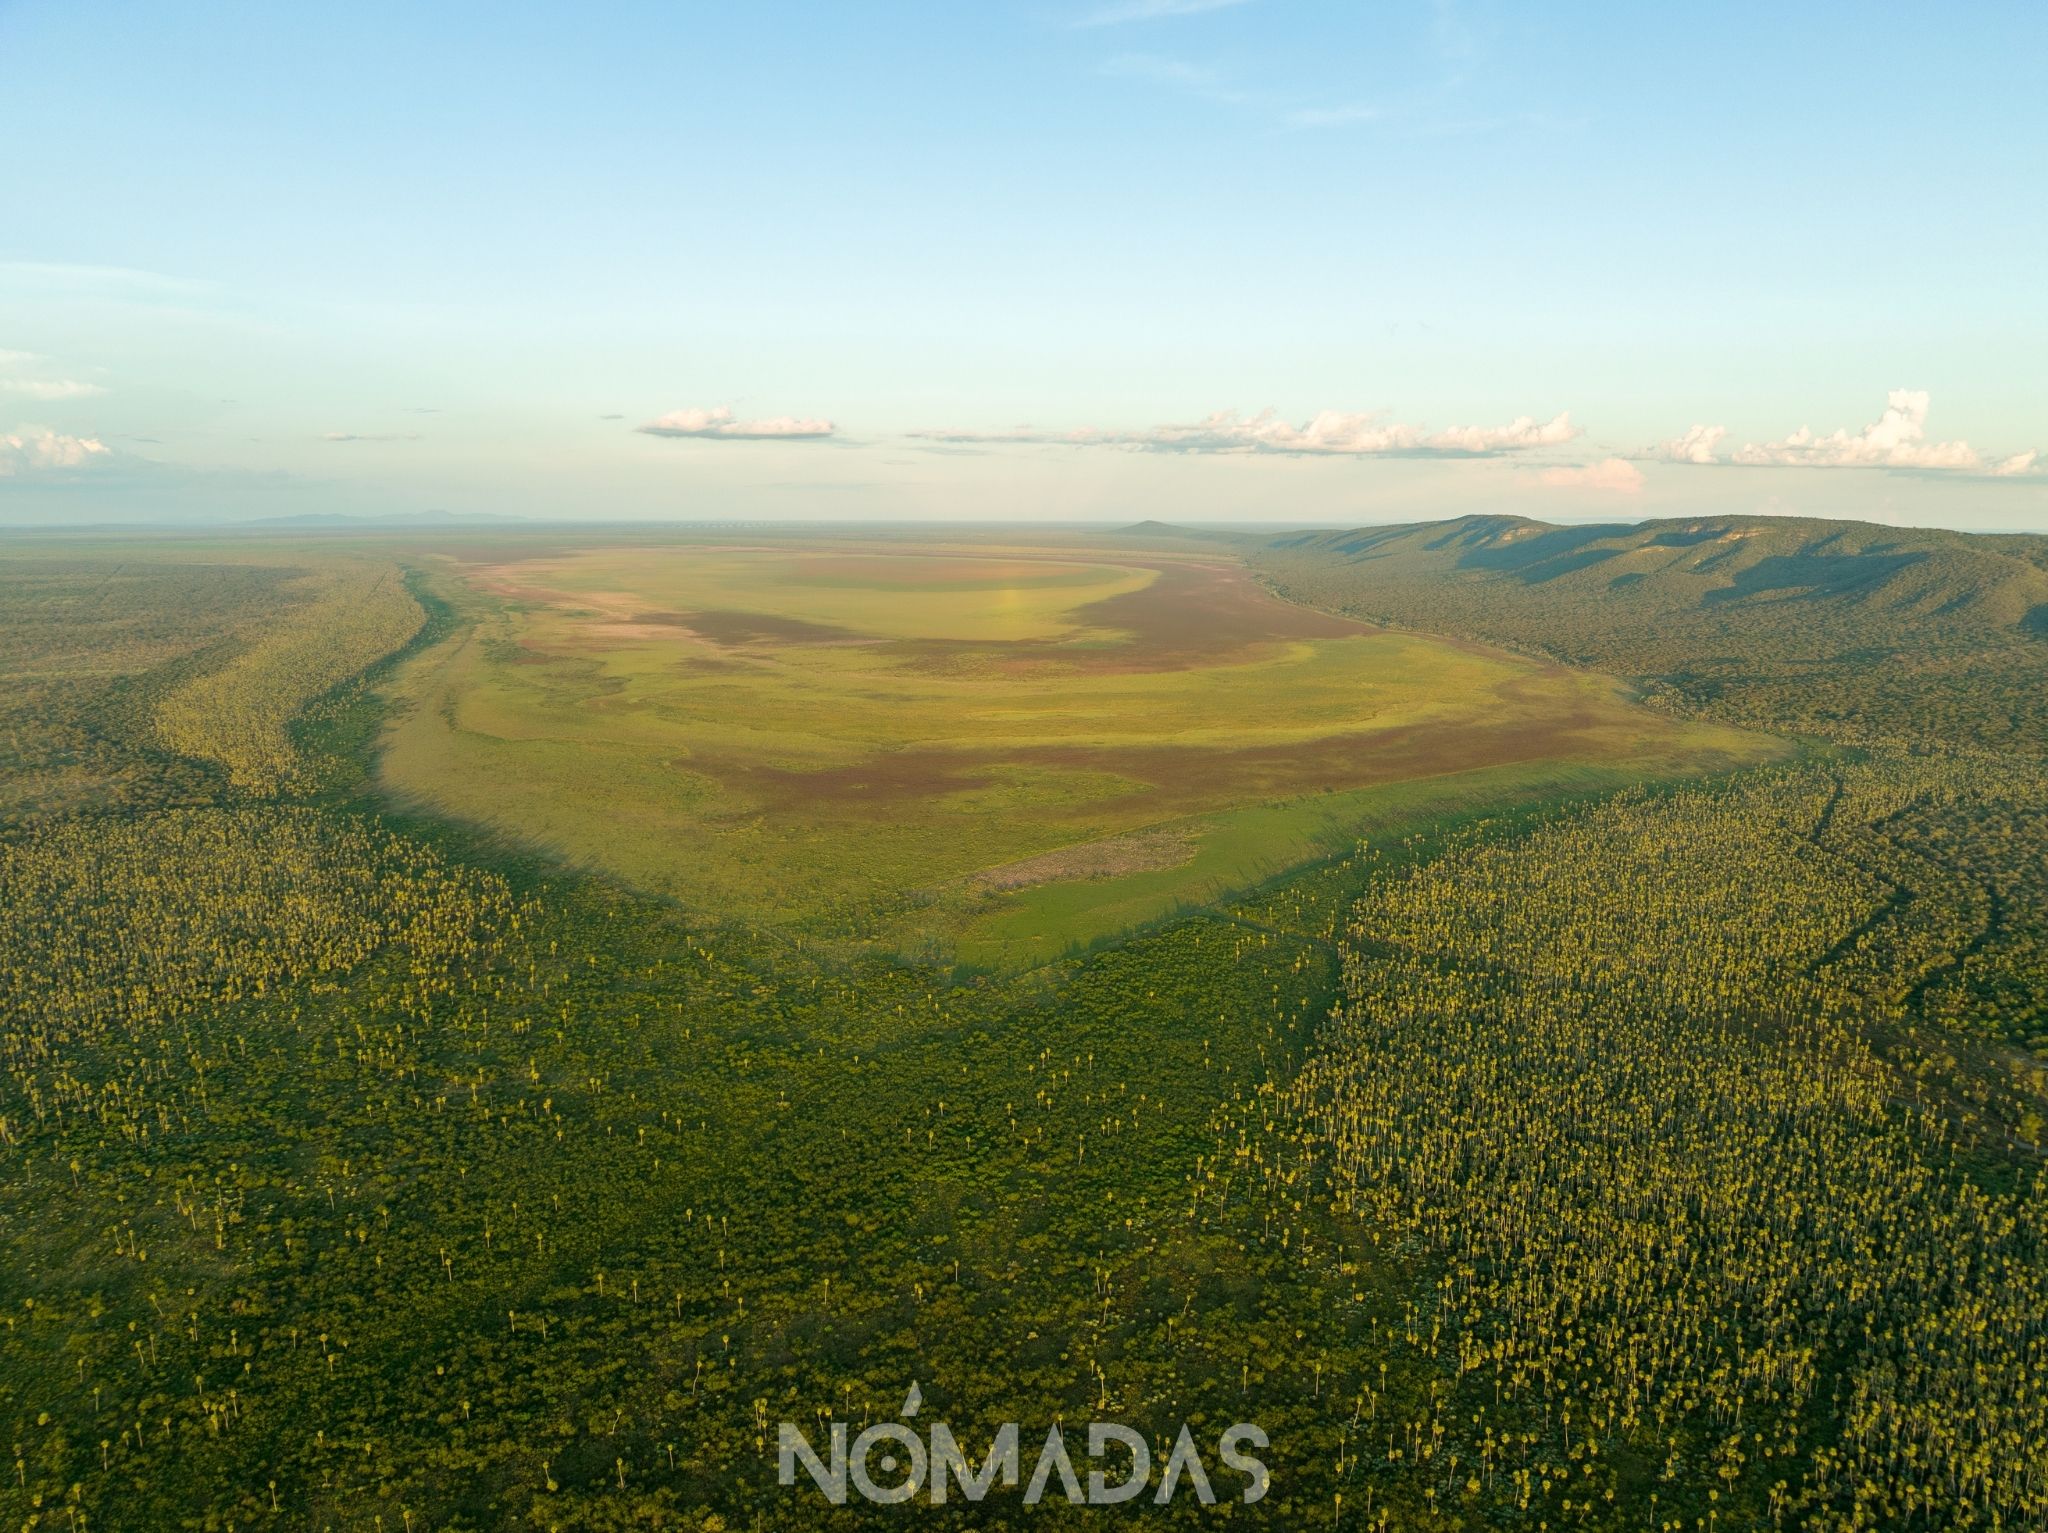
(1192, 615)
(736, 629)
(895, 778)
(1174, 779)
(1195, 612)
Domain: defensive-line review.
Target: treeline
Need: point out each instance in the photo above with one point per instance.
(88, 643)
(345, 615)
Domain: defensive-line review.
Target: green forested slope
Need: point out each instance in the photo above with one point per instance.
(1841, 628)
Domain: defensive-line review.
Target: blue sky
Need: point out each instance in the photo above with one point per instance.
(1036, 261)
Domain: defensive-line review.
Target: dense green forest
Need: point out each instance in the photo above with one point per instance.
(1668, 1159)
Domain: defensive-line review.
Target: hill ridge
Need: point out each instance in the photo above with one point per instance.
(1842, 626)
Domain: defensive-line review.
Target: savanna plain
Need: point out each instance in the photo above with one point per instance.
(1550, 1024)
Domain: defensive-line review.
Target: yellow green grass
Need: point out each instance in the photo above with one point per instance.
(347, 615)
(854, 744)
(1242, 848)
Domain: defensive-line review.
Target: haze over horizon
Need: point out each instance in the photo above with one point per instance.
(1194, 260)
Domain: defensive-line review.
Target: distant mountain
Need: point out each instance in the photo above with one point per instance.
(388, 519)
(1844, 628)
(1153, 528)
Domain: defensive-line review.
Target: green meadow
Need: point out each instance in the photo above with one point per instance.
(995, 754)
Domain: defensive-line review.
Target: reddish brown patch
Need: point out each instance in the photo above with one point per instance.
(736, 629)
(894, 779)
(1191, 615)
(1169, 779)
(1194, 613)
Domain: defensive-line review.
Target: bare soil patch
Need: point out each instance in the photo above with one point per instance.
(1143, 851)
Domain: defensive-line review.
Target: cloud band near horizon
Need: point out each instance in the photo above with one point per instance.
(38, 449)
(718, 423)
(1330, 432)
(1897, 439)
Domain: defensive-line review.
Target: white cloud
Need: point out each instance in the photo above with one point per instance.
(1332, 432)
(1519, 434)
(1153, 10)
(718, 424)
(1615, 476)
(1329, 431)
(49, 388)
(373, 436)
(1026, 435)
(1698, 445)
(1896, 439)
(14, 363)
(34, 449)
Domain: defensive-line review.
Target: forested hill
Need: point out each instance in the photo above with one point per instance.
(1844, 628)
